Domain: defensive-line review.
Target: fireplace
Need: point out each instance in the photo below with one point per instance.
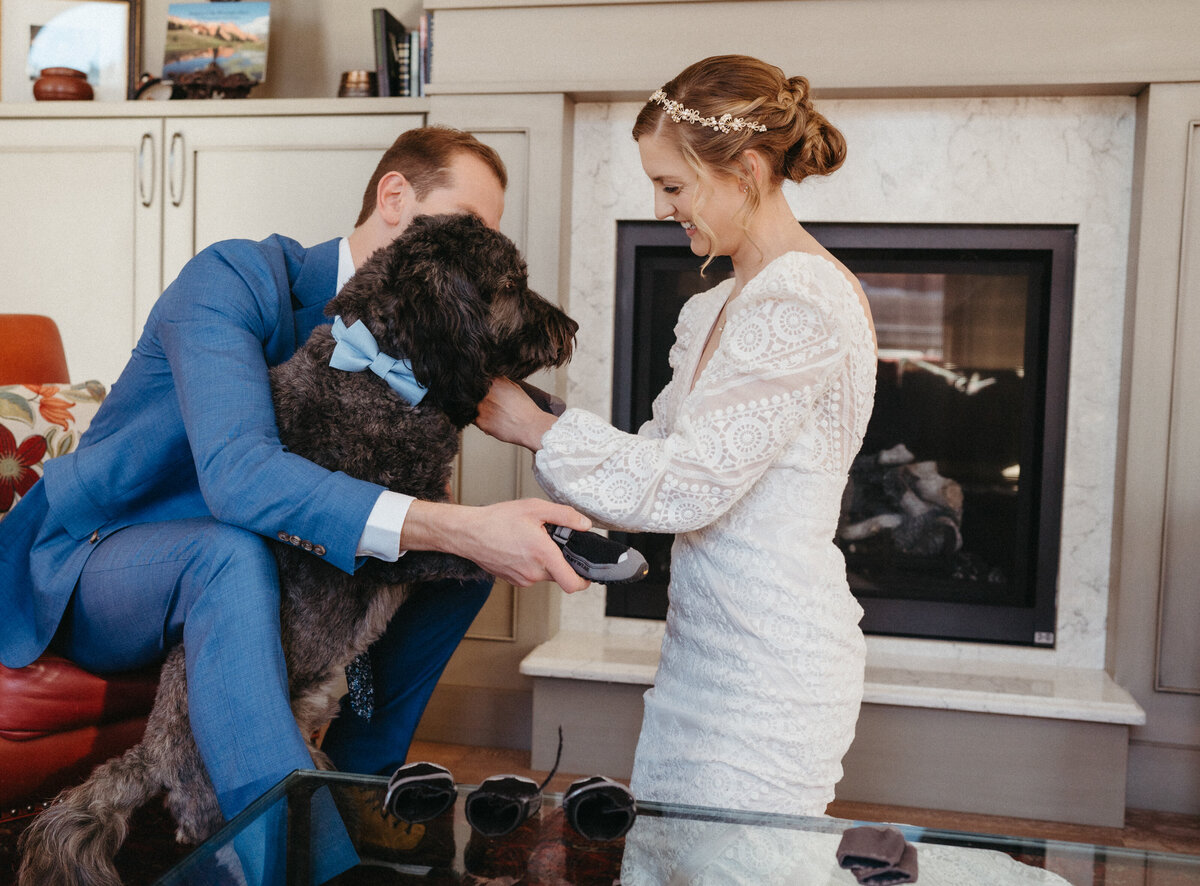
(951, 522)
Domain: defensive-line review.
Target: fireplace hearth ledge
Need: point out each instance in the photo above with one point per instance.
(1014, 689)
(1002, 738)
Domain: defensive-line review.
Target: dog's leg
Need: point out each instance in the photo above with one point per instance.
(190, 797)
(314, 708)
(176, 760)
(193, 805)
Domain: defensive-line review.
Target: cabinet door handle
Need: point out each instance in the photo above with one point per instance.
(176, 145)
(146, 183)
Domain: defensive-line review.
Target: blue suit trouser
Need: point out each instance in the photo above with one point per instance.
(215, 588)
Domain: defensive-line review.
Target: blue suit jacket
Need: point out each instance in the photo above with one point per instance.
(187, 430)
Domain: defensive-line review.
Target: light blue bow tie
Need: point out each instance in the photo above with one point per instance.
(356, 350)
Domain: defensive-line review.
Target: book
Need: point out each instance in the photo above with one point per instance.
(416, 76)
(426, 31)
(391, 54)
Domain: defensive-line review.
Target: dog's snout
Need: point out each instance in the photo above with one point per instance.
(560, 332)
(567, 328)
(532, 332)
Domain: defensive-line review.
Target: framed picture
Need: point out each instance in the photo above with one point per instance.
(231, 37)
(101, 38)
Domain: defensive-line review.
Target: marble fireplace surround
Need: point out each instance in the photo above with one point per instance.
(1027, 160)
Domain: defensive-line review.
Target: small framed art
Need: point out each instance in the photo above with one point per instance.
(229, 38)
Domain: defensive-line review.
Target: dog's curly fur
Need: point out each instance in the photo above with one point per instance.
(452, 296)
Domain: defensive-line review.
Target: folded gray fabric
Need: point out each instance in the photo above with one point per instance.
(903, 871)
(870, 847)
(877, 856)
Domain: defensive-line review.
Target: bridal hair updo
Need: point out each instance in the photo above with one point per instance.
(724, 105)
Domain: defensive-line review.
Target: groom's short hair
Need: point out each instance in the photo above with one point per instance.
(423, 156)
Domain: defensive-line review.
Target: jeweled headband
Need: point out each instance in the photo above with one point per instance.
(725, 123)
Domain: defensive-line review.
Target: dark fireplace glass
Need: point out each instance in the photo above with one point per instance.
(950, 523)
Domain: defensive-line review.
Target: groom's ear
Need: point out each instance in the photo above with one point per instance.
(392, 198)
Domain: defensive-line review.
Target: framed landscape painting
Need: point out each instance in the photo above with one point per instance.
(233, 36)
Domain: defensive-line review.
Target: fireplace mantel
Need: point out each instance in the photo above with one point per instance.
(847, 48)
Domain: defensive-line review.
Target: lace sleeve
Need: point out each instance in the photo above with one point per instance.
(779, 354)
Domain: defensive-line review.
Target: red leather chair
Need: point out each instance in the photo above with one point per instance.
(31, 350)
(57, 721)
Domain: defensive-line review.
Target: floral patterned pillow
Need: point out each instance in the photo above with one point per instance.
(38, 422)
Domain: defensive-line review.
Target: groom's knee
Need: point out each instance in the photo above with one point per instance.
(235, 570)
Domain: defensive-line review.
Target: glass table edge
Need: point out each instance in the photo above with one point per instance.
(823, 824)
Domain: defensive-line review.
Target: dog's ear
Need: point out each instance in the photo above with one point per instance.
(451, 341)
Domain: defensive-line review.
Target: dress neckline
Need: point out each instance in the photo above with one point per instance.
(697, 371)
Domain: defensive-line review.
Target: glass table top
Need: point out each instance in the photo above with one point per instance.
(285, 838)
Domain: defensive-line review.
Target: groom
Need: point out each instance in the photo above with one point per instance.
(154, 531)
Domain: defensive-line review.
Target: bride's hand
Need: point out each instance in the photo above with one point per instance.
(508, 414)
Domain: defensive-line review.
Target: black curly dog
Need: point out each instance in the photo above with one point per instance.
(452, 296)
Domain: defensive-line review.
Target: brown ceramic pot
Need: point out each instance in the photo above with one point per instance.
(59, 84)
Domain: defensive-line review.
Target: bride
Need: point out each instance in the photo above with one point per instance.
(745, 459)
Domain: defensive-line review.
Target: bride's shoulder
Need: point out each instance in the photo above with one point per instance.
(796, 299)
(809, 271)
(805, 279)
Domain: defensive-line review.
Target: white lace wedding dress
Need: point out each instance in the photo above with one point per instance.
(761, 674)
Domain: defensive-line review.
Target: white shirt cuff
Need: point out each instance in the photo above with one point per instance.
(381, 535)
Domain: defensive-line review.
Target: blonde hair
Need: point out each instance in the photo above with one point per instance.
(798, 141)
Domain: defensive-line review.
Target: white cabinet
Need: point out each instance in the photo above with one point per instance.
(101, 209)
(81, 231)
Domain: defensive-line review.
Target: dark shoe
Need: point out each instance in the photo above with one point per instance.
(597, 558)
(419, 792)
(599, 808)
(502, 803)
